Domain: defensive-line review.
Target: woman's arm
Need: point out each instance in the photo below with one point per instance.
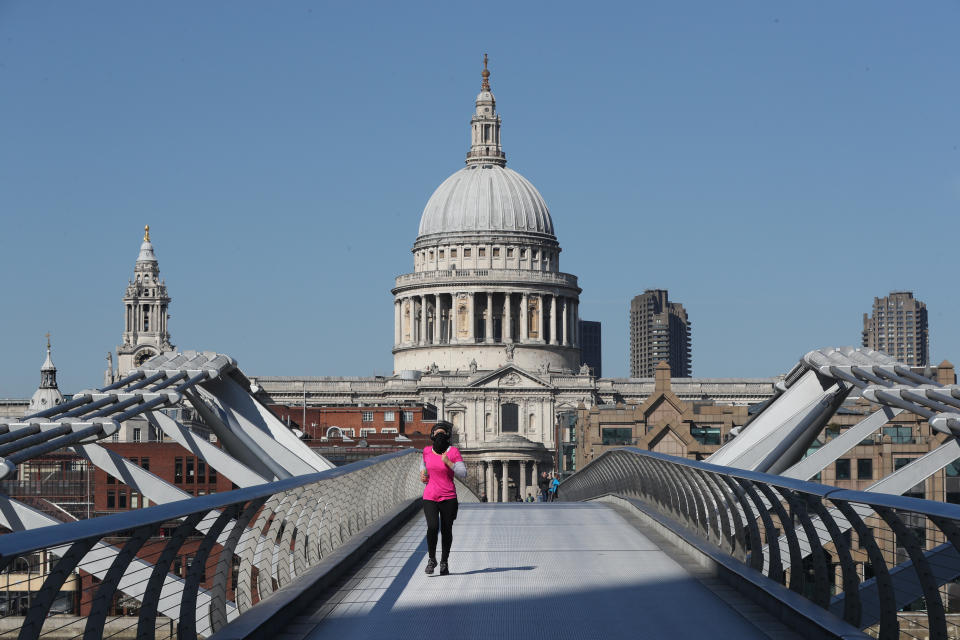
(458, 467)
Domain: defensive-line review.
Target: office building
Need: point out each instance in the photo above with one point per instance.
(659, 332)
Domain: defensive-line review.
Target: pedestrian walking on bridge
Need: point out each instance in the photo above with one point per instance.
(441, 463)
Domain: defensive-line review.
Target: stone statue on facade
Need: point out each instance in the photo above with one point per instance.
(510, 347)
(473, 366)
(108, 374)
(584, 369)
(434, 369)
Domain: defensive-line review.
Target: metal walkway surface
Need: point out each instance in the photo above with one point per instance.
(556, 571)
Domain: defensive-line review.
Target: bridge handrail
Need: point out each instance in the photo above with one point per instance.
(21, 542)
(797, 532)
(264, 536)
(918, 505)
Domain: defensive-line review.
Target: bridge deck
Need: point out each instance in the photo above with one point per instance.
(526, 571)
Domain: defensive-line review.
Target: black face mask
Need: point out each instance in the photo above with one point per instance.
(440, 441)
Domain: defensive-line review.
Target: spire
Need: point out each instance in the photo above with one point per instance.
(47, 394)
(48, 363)
(48, 372)
(485, 149)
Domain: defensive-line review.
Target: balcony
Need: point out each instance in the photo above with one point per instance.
(486, 276)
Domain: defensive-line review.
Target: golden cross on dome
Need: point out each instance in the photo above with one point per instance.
(48, 339)
(485, 85)
(146, 233)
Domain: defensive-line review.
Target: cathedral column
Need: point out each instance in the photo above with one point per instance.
(490, 489)
(472, 333)
(396, 323)
(553, 319)
(505, 465)
(423, 320)
(540, 318)
(454, 328)
(437, 315)
(523, 479)
(507, 318)
(566, 329)
(524, 325)
(488, 327)
(536, 479)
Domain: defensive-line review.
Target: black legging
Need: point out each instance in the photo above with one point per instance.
(440, 517)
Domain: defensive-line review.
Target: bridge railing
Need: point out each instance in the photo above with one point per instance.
(886, 564)
(186, 568)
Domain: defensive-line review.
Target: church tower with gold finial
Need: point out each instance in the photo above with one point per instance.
(145, 312)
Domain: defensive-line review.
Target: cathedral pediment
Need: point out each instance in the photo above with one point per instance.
(509, 377)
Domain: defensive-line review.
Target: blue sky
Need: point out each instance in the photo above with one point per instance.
(774, 165)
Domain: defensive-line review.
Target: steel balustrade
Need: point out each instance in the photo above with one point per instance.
(815, 539)
(296, 523)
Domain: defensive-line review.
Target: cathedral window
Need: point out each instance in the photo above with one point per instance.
(496, 252)
(481, 252)
(509, 253)
(453, 253)
(509, 413)
(466, 252)
(534, 255)
(441, 254)
(523, 253)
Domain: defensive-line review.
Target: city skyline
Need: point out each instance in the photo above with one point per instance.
(264, 170)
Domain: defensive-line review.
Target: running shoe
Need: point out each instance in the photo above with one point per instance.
(432, 564)
(444, 570)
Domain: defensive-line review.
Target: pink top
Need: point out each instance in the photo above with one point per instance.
(440, 482)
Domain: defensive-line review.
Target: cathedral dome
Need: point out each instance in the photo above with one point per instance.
(486, 198)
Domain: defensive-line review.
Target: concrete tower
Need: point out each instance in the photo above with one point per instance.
(145, 312)
(486, 288)
(899, 327)
(659, 332)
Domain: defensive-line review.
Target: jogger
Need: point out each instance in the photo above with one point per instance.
(440, 464)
